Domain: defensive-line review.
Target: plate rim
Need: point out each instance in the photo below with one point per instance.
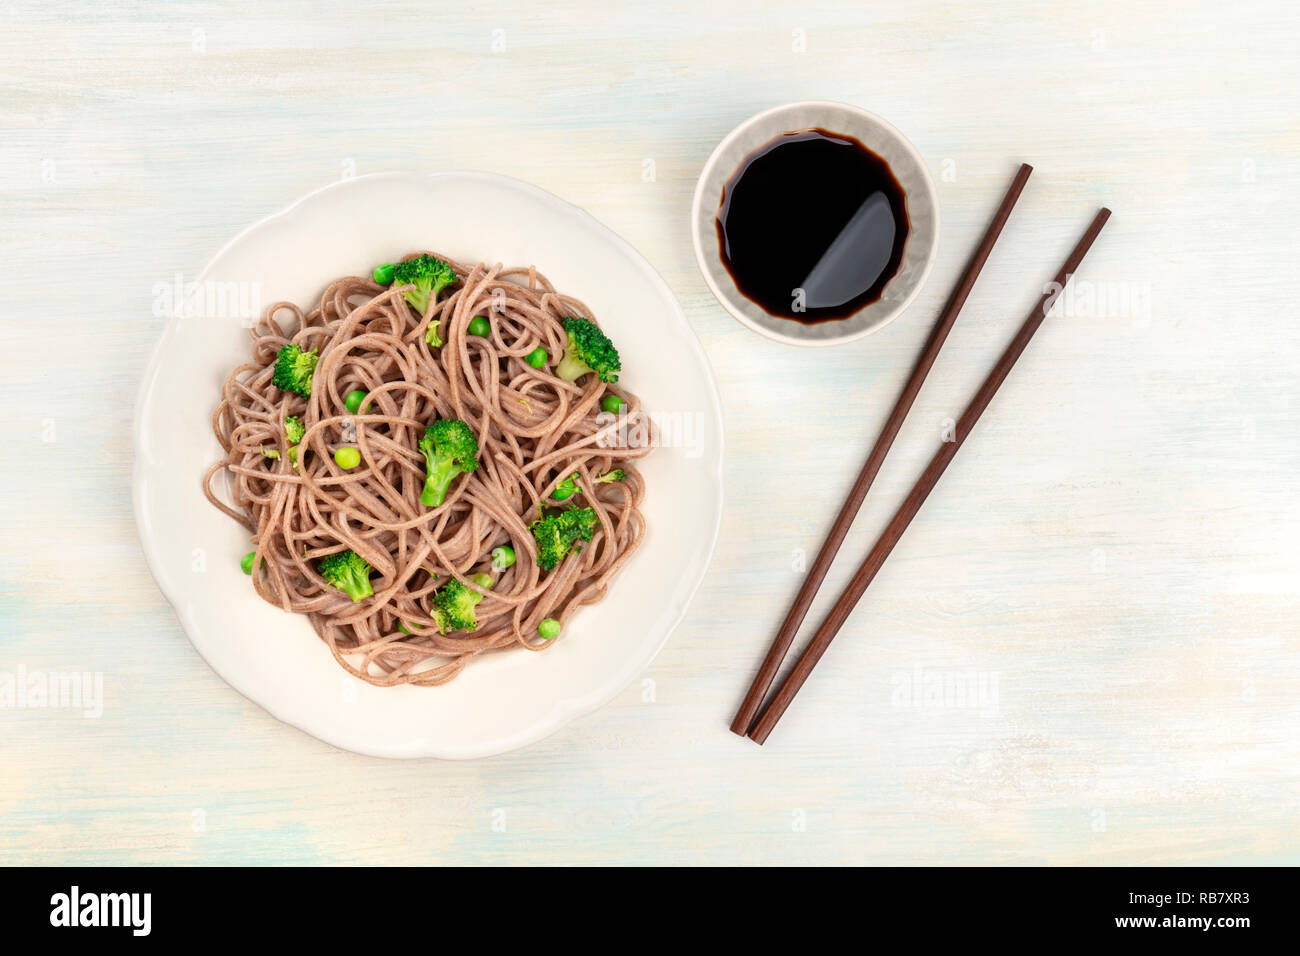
(566, 709)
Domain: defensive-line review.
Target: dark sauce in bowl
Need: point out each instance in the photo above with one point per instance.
(812, 226)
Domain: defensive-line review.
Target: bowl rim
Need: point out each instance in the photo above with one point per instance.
(727, 297)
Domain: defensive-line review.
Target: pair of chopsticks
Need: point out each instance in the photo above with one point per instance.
(758, 725)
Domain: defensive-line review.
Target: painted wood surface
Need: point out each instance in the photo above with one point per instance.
(1109, 566)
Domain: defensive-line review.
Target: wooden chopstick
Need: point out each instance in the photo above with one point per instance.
(924, 485)
(848, 511)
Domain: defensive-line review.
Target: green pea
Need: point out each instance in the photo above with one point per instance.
(536, 358)
(347, 457)
(548, 629)
(566, 489)
(483, 580)
(246, 562)
(480, 326)
(612, 403)
(383, 274)
(354, 399)
(503, 557)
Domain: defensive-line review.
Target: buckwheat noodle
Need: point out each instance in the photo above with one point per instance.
(534, 430)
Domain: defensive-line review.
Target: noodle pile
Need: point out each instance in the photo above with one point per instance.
(534, 430)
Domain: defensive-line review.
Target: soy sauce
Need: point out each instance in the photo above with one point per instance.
(812, 226)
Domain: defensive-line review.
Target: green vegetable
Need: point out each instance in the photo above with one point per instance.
(536, 358)
(615, 475)
(347, 571)
(353, 400)
(557, 534)
(246, 562)
(429, 276)
(612, 403)
(566, 489)
(449, 448)
(293, 368)
(480, 326)
(590, 350)
(294, 430)
(503, 557)
(401, 626)
(293, 433)
(454, 604)
(548, 628)
(347, 457)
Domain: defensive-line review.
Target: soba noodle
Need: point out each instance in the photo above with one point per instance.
(534, 430)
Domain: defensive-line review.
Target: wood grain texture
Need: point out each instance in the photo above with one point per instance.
(1114, 553)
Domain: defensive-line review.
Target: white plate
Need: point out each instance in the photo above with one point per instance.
(503, 700)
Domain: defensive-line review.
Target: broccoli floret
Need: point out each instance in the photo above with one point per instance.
(449, 448)
(454, 604)
(294, 431)
(557, 534)
(429, 276)
(589, 350)
(347, 571)
(615, 475)
(293, 368)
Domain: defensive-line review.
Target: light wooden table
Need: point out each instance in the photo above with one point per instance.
(1111, 562)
